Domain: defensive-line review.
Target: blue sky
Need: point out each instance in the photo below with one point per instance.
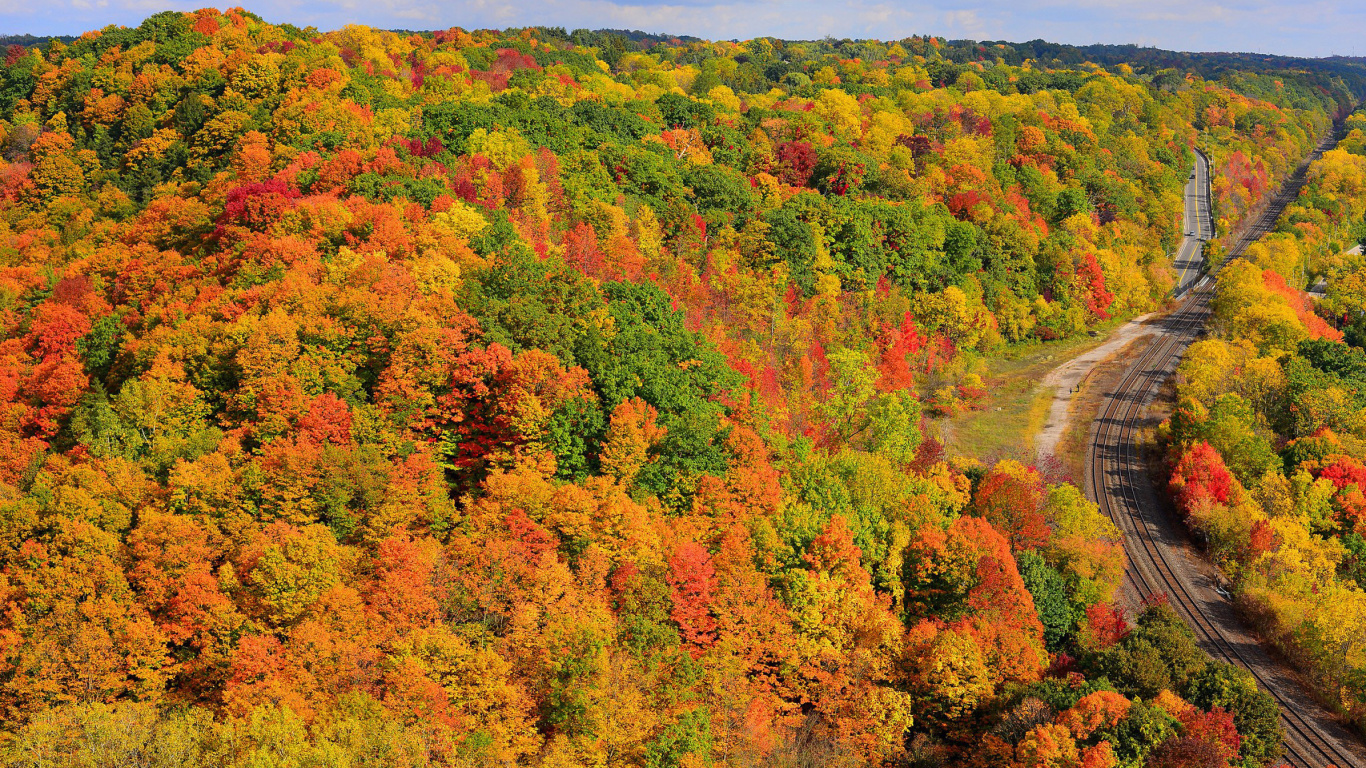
(1309, 28)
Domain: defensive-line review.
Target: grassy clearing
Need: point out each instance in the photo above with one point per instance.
(1015, 409)
(1016, 406)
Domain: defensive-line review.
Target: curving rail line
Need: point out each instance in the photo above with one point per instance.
(1117, 480)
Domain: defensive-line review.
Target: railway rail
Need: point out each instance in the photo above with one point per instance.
(1117, 480)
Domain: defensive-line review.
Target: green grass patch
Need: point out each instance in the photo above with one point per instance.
(1016, 406)
(1015, 411)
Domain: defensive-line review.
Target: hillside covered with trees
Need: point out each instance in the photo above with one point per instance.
(548, 399)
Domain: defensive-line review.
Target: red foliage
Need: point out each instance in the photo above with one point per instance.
(1004, 619)
(1106, 624)
(206, 22)
(1091, 282)
(385, 162)
(511, 60)
(535, 540)
(1262, 539)
(508, 60)
(929, 453)
(55, 330)
(820, 369)
(898, 346)
(328, 420)
(256, 206)
(622, 578)
(1200, 478)
(430, 148)
(498, 81)
(78, 291)
(768, 386)
(1094, 711)
(1345, 471)
(971, 396)
(919, 145)
(55, 385)
(962, 204)
(751, 479)
(1156, 598)
(796, 161)
(699, 227)
(474, 421)
(1187, 752)
(1012, 501)
(404, 588)
(1303, 306)
(1348, 475)
(1216, 728)
(417, 71)
(477, 181)
(581, 250)
(516, 184)
(834, 552)
(692, 581)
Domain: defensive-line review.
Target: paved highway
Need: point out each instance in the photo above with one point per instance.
(1198, 228)
(1161, 557)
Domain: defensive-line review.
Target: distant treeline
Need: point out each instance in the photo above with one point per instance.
(1145, 60)
(28, 41)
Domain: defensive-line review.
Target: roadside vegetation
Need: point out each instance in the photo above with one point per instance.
(1268, 439)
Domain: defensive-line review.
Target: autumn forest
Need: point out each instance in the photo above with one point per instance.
(547, 398)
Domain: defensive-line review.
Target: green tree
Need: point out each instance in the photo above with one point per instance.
(1049, 590)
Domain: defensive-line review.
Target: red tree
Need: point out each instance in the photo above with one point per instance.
(692, 582)
(796, 161)
(1011, 498)
(1200, 478)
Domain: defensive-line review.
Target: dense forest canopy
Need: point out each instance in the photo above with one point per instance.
(546, 398)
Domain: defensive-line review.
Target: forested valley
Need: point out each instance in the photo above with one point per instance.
(537, 398)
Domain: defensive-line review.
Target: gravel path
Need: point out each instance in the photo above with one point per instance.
(1066, 380)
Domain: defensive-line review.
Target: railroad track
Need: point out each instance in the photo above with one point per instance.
(1159, 559)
